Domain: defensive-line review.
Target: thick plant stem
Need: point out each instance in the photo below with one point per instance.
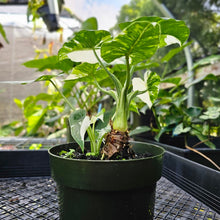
(121, 114)
(117, 141)
(122, 108)
(117, 145)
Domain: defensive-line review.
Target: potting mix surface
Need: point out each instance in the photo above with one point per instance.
(36, 198)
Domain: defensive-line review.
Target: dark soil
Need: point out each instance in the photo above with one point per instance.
(79, 155)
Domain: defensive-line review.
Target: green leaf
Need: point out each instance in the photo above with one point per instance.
(172, 119)
(150, 85)
(68, 47)
(80, 49)
(179, 129)
(87, 72)
(205, 77)
(194, 111)
(50, 62)
(139, 130)
(133, 107)
(173, 52)
(139, 41)
(42, 64)
(211, 113)
(162, 130)
(171, 35)
(178, 101)
(79, 123)
(141, 38)
(2, 32)
(18, 103)
(45, 78)
(153, 82)
(202, 138)
(173, 80)
(90, 24)
(91, 39)
(35, 121)
(99, 115)
(205, 61)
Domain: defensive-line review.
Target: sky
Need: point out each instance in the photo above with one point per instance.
(105, 11)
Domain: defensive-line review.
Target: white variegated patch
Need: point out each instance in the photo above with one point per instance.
(140, 85)
(84, 56)
(85, 124)
(71, 77)
(171, 40)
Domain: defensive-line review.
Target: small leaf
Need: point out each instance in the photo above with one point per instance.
(100, 115)
(205, 61)
(140, 85)
(150, 85)
(153, 82)
(203, 138)
(194, 111)
(211, 113)
(173, 119)
(205, 77)
(139, 130)
(90, 24)
(75, 120)
(45, 78)
(85, 124)
(173, 80)
(173, 52)
(179, 129)
(2, 32)
(35, 121)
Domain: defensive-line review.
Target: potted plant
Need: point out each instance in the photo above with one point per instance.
(114, 186)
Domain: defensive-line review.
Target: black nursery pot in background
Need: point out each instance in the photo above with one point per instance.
(95, 189)
(51, 20)
(176, 145)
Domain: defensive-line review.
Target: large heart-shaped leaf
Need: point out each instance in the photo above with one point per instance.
(139, 41)
(169, 34)
(141, 38)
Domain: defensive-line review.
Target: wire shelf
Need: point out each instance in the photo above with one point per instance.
(16, 143)
(36, 198)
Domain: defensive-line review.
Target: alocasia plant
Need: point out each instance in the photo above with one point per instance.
(97, 51)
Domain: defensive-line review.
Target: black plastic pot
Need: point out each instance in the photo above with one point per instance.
(107, 189)
(196, 179)
(213, 154)
(179, 141)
